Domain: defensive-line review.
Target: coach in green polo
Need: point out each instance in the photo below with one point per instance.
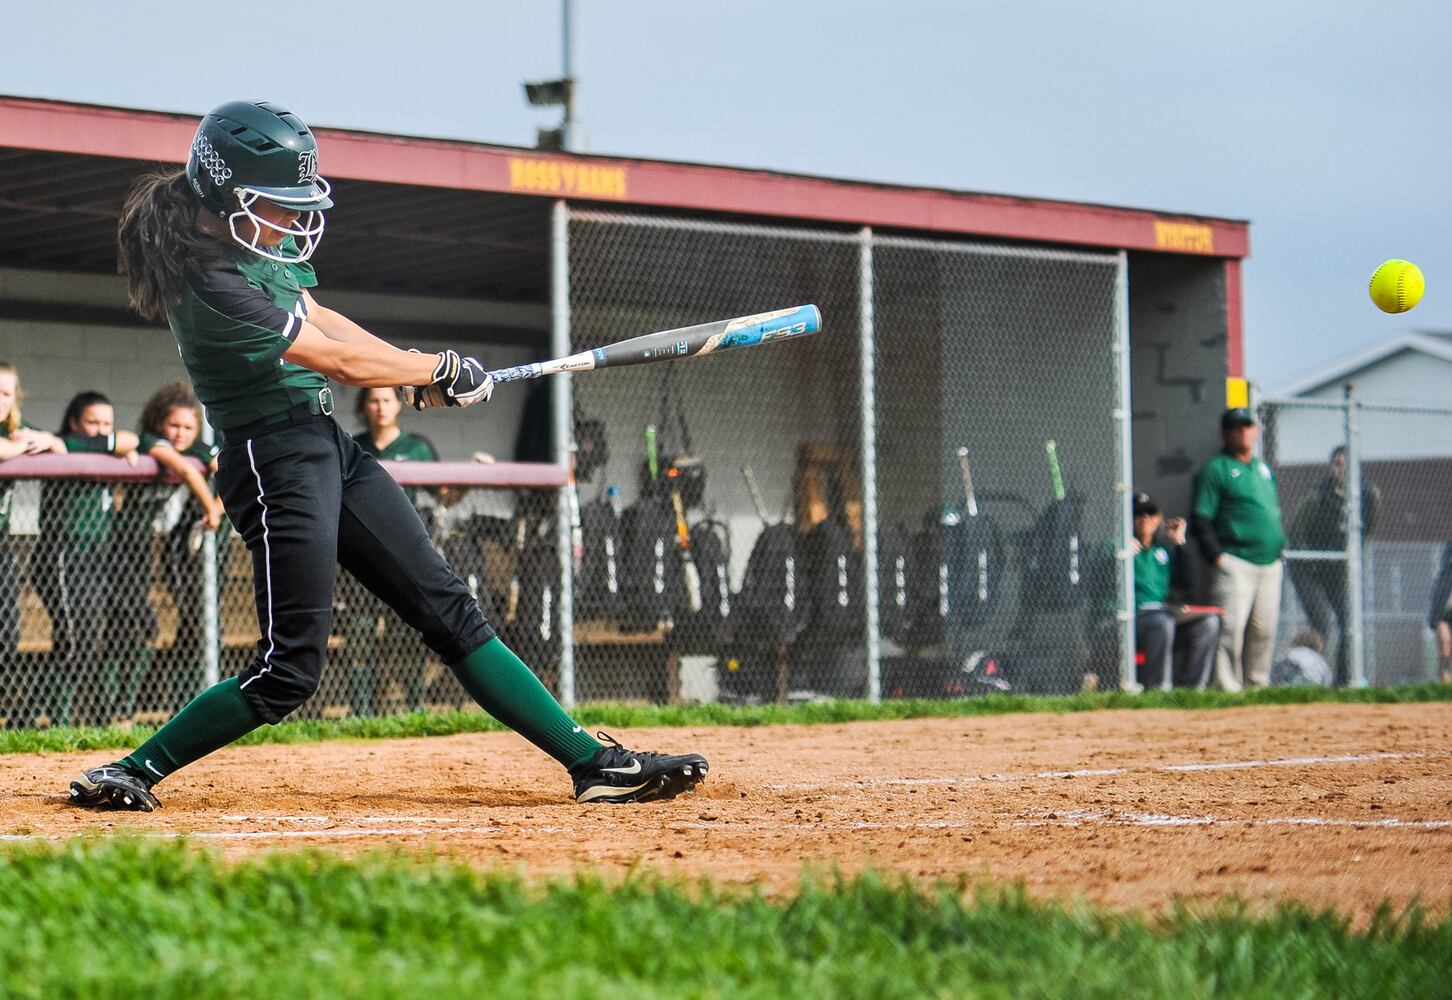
(1237, 524)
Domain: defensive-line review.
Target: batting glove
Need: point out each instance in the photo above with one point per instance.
(457, 381)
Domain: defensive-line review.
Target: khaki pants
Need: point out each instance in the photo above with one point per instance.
(1251, 597)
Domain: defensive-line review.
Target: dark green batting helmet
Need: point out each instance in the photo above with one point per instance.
(249, 150)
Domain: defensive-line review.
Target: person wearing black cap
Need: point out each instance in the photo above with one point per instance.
(1236, 522)
(1169, 647)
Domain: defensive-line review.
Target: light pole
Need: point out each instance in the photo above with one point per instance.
(563, 92)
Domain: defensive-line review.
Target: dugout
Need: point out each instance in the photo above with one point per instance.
(991, 322)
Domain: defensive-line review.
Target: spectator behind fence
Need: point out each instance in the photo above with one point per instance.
(1319, 523)
(362, 617)
(1171, 646)
(170, 423)
(1303, 665)
(70, 568)
(1440, 618)
(16, 439)
(1237, 524)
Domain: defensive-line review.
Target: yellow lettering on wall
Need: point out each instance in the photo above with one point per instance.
(567, 178)
(1184, 236)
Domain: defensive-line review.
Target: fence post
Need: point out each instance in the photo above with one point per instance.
(564, 436)
(1356, 661)
(211, 596)
(1123, 478)
(868, 376)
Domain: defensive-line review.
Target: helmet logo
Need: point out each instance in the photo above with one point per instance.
(211, 161)
(307, 166)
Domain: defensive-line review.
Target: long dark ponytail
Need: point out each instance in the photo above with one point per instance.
(158, 241)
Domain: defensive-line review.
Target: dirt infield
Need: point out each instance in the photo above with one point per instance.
(1337, 805)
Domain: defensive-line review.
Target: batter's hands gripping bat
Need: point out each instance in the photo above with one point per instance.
(667, 345)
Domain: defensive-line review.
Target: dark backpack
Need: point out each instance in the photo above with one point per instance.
(1057, 557)
(769, 608)
(954, 577)
(599, 587)
(894, 609)
(534, 632)
(703, 631)
(651, 564)
(833, 583)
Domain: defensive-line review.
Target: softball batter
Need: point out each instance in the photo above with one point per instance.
(220, 251)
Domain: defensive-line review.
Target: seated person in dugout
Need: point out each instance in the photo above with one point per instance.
(71, 568)
(169, 434)
(1172, 645)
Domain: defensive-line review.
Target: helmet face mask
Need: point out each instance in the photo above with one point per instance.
(250, 151)
(306, 230)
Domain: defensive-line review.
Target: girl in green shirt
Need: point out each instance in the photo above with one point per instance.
(71, 566)
(169, 434)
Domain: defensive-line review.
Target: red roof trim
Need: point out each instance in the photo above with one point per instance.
(148, 135)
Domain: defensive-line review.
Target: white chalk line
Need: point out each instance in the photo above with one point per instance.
(1078, 817)
(1102, 772)
(436, 826)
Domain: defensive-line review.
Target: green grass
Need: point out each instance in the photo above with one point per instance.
(609, 716)
(129, 919)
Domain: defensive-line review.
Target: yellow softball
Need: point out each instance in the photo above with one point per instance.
(1397, 286)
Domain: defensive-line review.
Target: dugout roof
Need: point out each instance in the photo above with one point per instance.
(426, 216)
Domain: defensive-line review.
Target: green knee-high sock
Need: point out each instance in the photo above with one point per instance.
(216, 717)
(508, 690)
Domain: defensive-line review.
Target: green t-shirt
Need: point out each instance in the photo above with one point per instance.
(1239, 499)
(235, 320)
(74, 509)
(142, 502)
(1152, 570)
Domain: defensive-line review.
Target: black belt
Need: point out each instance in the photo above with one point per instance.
(317, 406)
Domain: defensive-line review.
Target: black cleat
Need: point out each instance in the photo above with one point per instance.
(113, 787)
(616, 774)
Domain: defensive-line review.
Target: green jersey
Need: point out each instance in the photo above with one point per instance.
(144, 501)
(235, 320)
(1153, 567)
(1239, 500)
(75, 509)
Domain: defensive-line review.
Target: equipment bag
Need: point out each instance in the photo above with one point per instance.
(953, 577)
(652, 576)
(703, 631)
(1056, 559)
(834, 583)
(894, 610)
(769, 610)
(599, 591)
(534, 633)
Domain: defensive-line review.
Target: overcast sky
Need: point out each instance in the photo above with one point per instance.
(1325, 124)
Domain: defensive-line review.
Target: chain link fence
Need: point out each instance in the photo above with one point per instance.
(756, 563)
(998, 461)
(108, 613)
(728, 566)
(1361, 591)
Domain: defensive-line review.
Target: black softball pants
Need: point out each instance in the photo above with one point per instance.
(306, 499)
